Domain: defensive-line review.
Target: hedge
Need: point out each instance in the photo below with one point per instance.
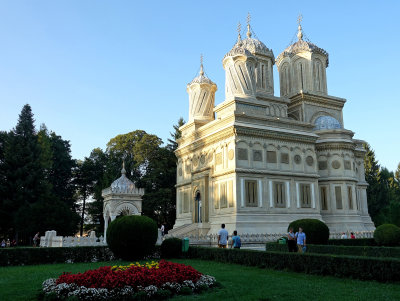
(353, 242)
(365, 268)
(29, 256)
(367, 251)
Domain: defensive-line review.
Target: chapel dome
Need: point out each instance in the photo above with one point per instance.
(326, 123)
(123, 183)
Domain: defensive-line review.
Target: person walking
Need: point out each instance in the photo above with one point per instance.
(162, 230)
(291, 240)
(36, 238)
(301, 240)
(236, 241)
(222, 237)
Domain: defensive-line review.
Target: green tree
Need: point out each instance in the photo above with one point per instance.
(175, 135)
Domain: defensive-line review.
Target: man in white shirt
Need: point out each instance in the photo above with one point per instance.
(222, 237)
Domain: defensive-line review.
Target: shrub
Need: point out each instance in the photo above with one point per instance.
(387, 235)
(365, 268)
(367, 251)
(352, 242)
(28, 256)
(316, 231)
(132, 237)
(171, 248)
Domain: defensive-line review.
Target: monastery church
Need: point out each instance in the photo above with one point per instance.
(256, 161)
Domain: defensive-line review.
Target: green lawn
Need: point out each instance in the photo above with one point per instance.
(239, 283)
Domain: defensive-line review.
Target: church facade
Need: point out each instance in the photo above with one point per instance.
(256, 161)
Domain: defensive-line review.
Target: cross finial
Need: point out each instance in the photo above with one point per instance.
(239, 29)
(248, 25)
(201, 65)
(300, 32)
(123, 171)
(299, 19)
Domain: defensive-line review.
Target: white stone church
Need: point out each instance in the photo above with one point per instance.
(256, 161)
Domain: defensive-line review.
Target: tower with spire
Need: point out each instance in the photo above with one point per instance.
(201, 92)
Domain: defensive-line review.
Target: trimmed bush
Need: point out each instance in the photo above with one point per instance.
(132, 237)
(365, 268)
(316, 231)
(387, 235)
(367, 251)
(29, 256)
(352, 242)
(171, 248)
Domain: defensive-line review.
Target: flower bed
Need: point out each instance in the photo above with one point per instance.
(135, 281)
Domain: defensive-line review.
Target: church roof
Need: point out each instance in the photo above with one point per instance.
(123, 184)
(301, 46)
(255, 46)
(201, 78)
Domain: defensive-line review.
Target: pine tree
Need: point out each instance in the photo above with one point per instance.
(172, 144)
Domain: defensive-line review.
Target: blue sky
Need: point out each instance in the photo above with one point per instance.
(94, 69)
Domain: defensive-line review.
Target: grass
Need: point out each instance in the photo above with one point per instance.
(238, 283)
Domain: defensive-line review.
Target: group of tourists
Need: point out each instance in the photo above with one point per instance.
(223, 235)
(7, 243)
(296, 241)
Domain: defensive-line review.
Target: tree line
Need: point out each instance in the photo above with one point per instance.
(383, 191)
(43, 188)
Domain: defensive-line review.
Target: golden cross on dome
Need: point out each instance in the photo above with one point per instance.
(248, 18)
(239, 28)
(201, 59)
(299, 19)
(201, 65)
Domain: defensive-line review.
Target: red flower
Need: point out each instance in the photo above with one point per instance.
(105, 277)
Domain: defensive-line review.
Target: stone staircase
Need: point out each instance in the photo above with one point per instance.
(189, 230)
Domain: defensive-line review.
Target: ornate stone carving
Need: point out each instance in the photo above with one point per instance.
(310, 161)
(271, 156)
(242, 154)
(347, 165)
(231, 154)
(285, 158)
(180, 172)
(297, 159)
(195, 161)
(322, 165)
(257, 155)
(218, 158)
(203, 159)
(336, 164)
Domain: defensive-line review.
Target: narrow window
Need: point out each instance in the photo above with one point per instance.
(305, 194)
(279, 195)
(324, 198)
(251, 193)
(350, 197)
(338, 196)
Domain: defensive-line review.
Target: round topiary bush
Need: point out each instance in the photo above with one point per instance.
(132, 237)
(171, 248)
(317, 232)
(387, 235)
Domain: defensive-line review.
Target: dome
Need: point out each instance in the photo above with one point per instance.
(255, 46)
(326, 123)
(301, 46)
(123, 183)
(201, 78)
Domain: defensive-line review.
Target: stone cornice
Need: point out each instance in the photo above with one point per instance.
(193, 145)
(276, 173)
(334, 146)
(321, 100)
(241, 130)
(338, 179)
